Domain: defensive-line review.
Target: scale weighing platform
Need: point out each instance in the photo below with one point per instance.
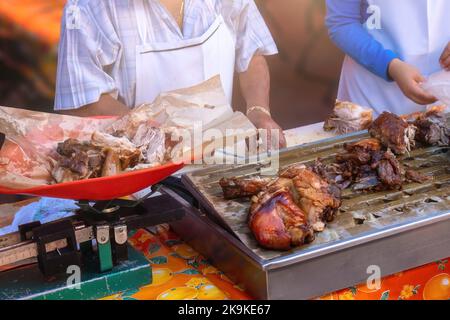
(85, 256)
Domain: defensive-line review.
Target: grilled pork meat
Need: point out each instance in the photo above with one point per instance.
(359, 153)
(414, 176)
(333, 173)
(370, 167)
(348, 117)
(235, 188)
(393, 132)
(432, 128)
(78, 160)
(389, 170)
(104, 155)
(355, 164)
(316, 197)
(275, 219)
(127, 152)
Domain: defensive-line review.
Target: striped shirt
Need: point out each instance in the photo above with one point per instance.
(97, 50)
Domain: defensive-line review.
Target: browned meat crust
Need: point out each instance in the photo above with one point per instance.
(276, 221)
(235, 188)
(393, 132)
(83, 159)
(317, 198)
(388, 169)
(432, 128)
(415, 176)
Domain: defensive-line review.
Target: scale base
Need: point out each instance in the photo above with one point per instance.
(28, 283)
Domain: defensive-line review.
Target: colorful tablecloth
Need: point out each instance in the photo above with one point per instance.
(429, 282)
(180, 273)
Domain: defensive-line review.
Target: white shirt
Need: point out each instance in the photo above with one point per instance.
(98, 56)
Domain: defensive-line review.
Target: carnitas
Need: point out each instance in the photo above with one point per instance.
(316, 197)
(104, 155)
(389, 170)
(234, 188)
(394, 132)
(285, 211)
(275, 219)
(348, 117)
(78, 160)
(351, 166)
(372, 167)
(432, 127)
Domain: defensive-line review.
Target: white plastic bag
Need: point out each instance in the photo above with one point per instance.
(438, 84)
(45, 210)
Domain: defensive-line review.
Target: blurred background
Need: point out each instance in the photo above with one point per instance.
(305, 74)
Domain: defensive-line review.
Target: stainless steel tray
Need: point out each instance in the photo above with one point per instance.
(326, 269)
(400, 230)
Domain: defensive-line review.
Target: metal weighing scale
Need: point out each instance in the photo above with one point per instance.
(94, 239)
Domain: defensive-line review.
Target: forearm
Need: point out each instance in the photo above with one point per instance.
(106, 106)
(255, 83)
(344, 22)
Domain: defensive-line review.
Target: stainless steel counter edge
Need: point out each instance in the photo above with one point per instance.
(358, 240)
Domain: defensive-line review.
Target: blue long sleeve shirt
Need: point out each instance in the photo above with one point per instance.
(345, 21)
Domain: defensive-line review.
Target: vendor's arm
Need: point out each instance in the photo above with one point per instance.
(105, 106)
(345, 25)
(255, 87)
(253, 42)
(87, 49)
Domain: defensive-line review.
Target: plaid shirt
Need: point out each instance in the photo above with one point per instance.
(97, 50)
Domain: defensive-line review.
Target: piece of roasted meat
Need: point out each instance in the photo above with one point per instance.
(360, 152)
(105, 155)
(389, 170)
(78, 160)
(414, 176)
(317, 198)
(333, 173)
(354, 164)
(127, 152)
(348, 117)
(432, 127)
(370, 167)
(393, 132)
(275, 219)
(235, 188)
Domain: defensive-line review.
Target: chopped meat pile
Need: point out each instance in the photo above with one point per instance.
(110, 154)
(388, 168)
(103, 156)
(432, 127)
(393, 132)
(78, 160)
(369, 167)
(348, 117)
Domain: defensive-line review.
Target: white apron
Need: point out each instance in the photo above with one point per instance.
(418, 30)
(163, 67)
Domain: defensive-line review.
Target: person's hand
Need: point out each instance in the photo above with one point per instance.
(262, 120)
(409, 78)
(445, 58)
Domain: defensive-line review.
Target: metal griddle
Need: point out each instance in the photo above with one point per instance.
(395, 230)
